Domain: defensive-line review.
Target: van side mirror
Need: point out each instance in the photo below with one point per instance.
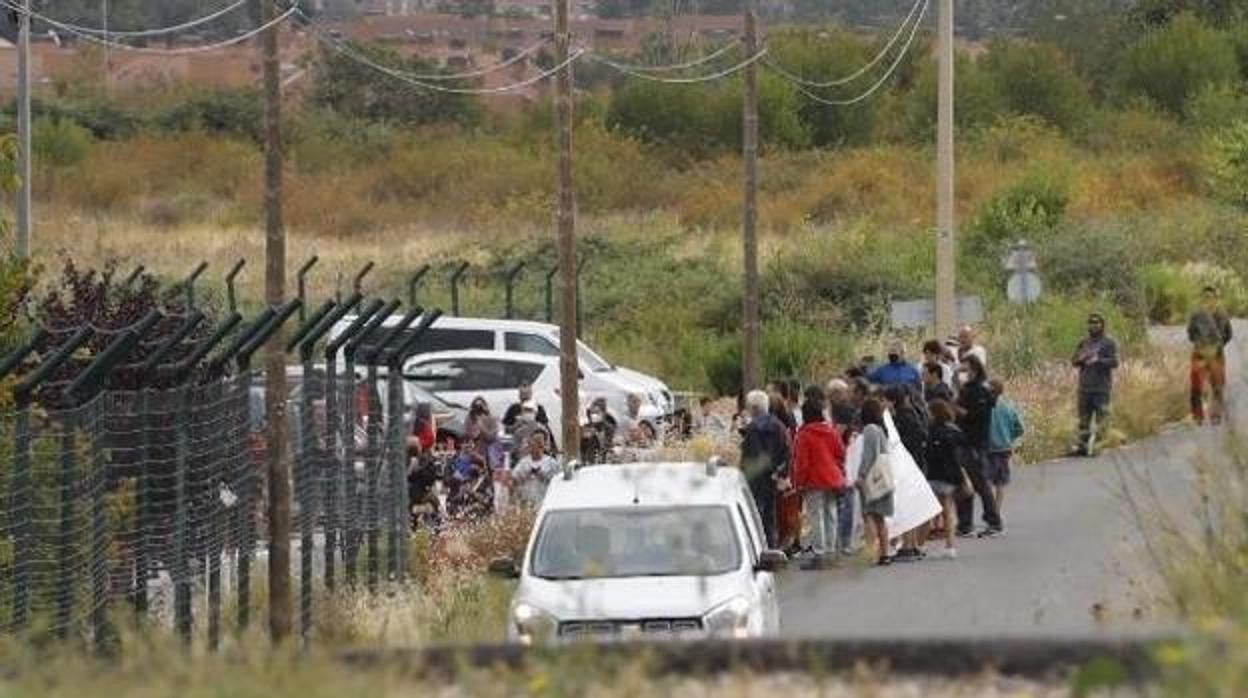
(772, 561)
(505, 568)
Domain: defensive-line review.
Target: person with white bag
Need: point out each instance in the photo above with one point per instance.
(875, 476)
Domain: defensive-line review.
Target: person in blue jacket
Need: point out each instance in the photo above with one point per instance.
(897, 371)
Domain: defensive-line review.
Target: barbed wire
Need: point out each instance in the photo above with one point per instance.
(799, 80)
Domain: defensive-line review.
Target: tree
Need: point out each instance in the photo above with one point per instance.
(1037, 79)
(1171, 64)
(355, 90)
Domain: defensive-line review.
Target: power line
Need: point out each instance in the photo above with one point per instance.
(401, 77)
(153, 51)
(914, 31)
(523, 54)
(797, 79)
(159, 31)
(669, 68)
(686, 81)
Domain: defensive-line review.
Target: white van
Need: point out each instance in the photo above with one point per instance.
(645, 551)
(601, 378)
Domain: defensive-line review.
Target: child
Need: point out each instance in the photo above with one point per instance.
(1007, 429)
(944, 469)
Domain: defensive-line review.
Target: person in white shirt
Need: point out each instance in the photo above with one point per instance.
(968, 347)
(533, 472)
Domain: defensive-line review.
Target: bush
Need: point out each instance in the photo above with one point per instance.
(60, 142)
(977, 103)
(1100, 259)
(223, 111)
(1037, 79)
(1171, 64)
(1217, 106)
(1026, 210)
(1226, 163)
(1172, 291)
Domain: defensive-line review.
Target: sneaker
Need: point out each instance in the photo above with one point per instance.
(884, 561)
(965, 533)
(991, 532)
(1077, 452)
(949, 554)
(909, 555)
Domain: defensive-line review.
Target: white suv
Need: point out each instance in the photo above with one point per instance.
(451, 334)
(653, 551)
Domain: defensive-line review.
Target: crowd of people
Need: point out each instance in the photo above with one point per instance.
(813, 484)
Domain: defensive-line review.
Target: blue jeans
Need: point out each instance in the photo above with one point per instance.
(846, 519)
(819, 515)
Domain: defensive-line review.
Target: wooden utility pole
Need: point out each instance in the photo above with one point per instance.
(946, 232)
(23, 131)
(750, 322)
(275, 358)
(569, 367)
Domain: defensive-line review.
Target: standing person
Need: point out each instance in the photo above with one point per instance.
(935, 353)
(513, 413)
(934, 386)
(945, 443)
(534, 471)
(843, 410)
(819, 477)
(911, 428)
(1209, 330)
(1007, 429)
(788, 502)
(764, 458)
(1096, 357)
(967, 346)
(897, 371)
(875, 442)
(975, 403)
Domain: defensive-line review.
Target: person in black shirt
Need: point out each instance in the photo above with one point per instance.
(945, 444)
(934, 385)
(975, 403)
(513, 413)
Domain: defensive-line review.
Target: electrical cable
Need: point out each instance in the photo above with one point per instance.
(155, 32)
(799, 80)
(673, 67)
(914, 31)
(153, 51)
(691, 80)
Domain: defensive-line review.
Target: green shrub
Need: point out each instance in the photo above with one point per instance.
(1217, 106)
(1037, 79)
(60, 142)
(977, 102)
(1172, 290)
(1023, 337)
(1138, 126)
(1171, 64)
(789, 350)
(225, 111)
(1097, 258)
(1226, 163)
(1026, 210)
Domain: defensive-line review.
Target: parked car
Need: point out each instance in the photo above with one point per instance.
(450, 334)
(645, 551)
(462, 376)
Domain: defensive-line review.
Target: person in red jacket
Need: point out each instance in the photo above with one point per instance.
(819, 475)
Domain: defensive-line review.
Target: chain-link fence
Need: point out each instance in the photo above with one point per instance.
(155, 499)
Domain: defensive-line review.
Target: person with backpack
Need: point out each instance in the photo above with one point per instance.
(1006, 430)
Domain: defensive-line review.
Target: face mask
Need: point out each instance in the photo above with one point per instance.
(964, 376)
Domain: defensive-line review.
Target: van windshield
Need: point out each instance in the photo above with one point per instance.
(636, 542)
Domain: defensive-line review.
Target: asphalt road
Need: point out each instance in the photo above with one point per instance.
(1073, 562)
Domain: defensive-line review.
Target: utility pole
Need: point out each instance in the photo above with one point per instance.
(275, 358)
(569, 367)
(750, 321)
(946, 233)
(23, 131)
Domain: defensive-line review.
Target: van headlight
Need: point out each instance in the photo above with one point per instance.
(730, 619)
(532, 624)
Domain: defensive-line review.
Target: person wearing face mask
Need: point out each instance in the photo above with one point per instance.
(1096, 357)
(897, 371)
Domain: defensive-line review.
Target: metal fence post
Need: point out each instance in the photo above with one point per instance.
(455, 277)
(511, 277)
(182, 620)
(102, 633)
(68, 485)
(20, 510)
